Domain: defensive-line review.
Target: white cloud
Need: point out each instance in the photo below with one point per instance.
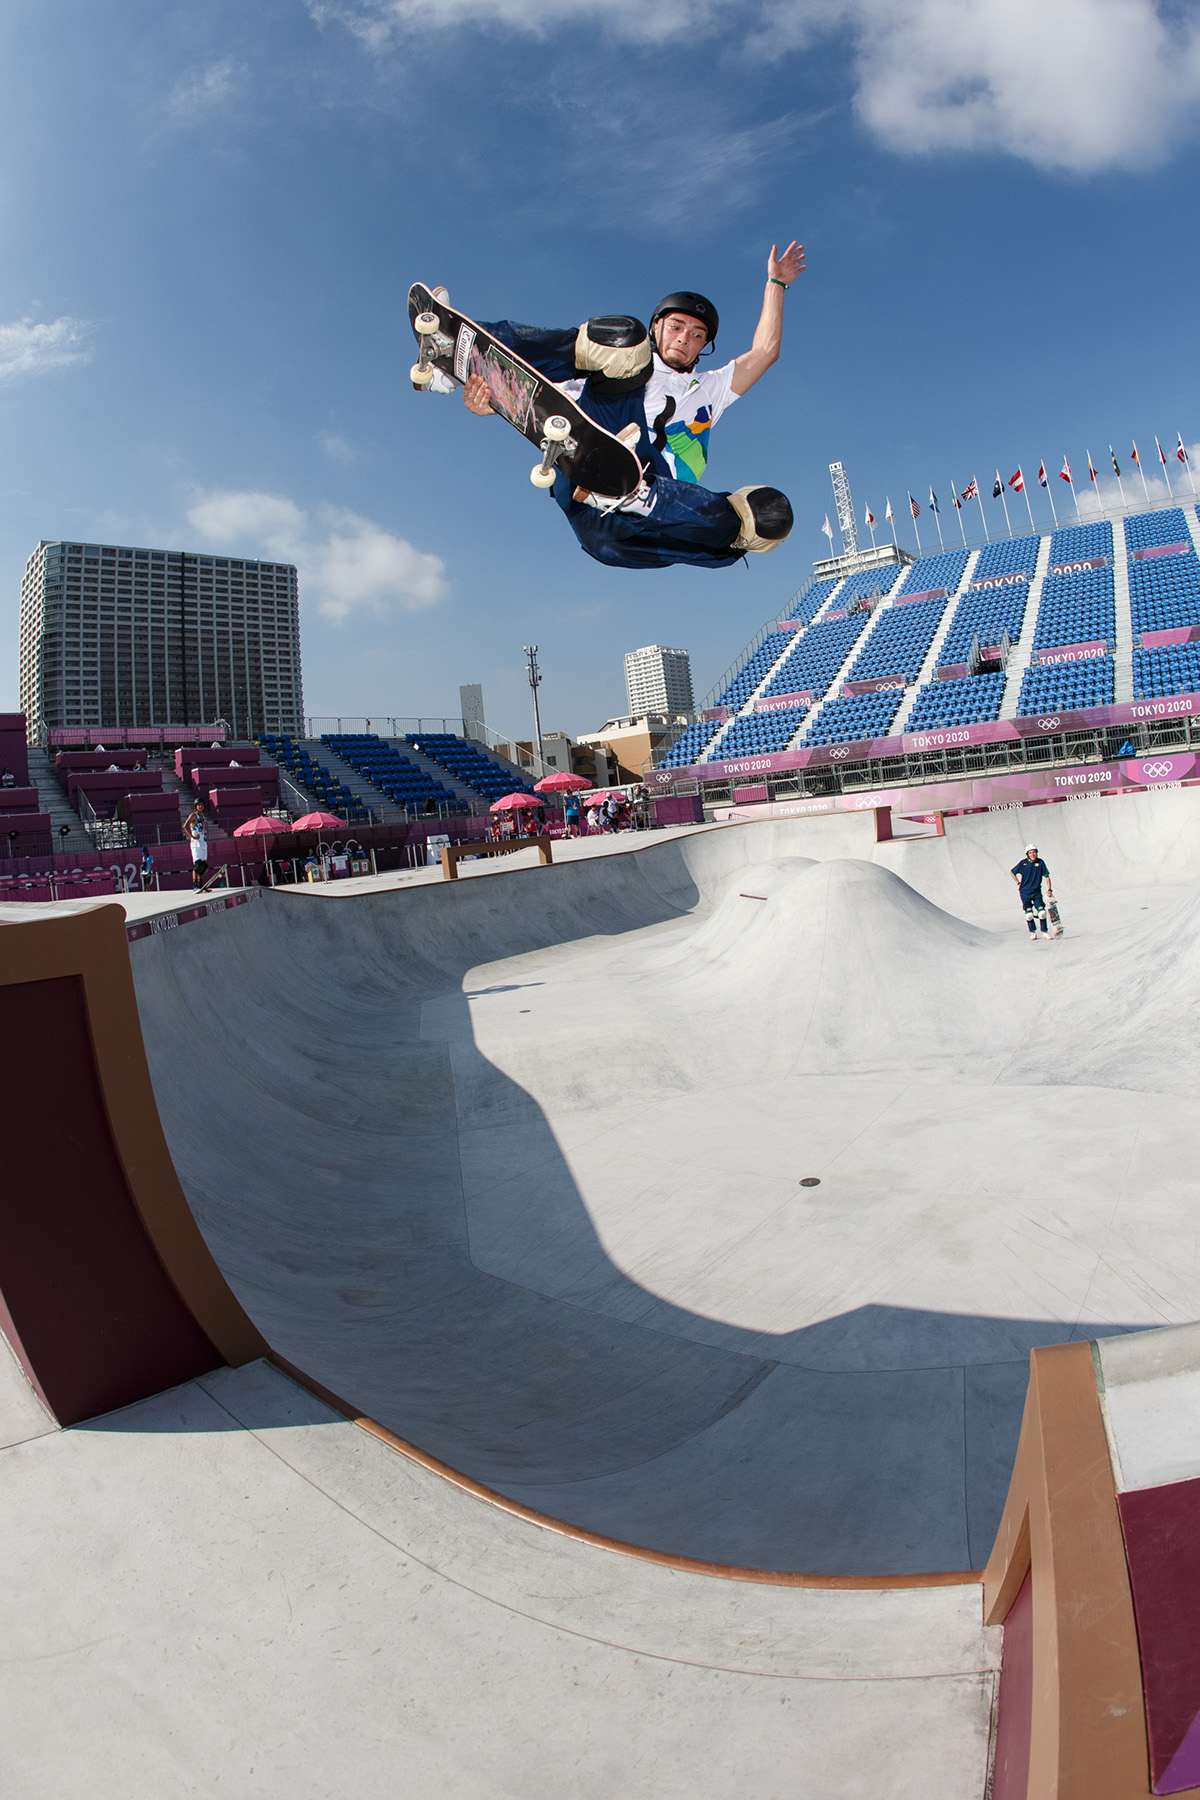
(201, 90)
(347, 563)
(337, 447)
(1075, 85)
(28, 348)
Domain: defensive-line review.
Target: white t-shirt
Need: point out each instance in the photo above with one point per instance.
(692, 403)
(700, 399)
(199, 843)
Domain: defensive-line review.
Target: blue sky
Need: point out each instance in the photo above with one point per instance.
(210, 215)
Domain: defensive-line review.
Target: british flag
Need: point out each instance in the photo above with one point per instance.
(971, 491)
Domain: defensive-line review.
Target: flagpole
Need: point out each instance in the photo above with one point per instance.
(937, 518)
(1074, 495)
(1028, 507)
(1004, 502)
(979, 496)
(1162, 457)
(958, 509)
(1049, 491)
(1186, 461)
(1117, 473)
(1137, 459)
(916, 528)
(891, 519)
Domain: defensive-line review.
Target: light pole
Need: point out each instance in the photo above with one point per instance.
(534, 678)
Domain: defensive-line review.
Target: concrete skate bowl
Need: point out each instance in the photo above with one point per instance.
(517, 1165)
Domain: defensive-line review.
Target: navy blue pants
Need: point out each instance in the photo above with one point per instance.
(689, 523)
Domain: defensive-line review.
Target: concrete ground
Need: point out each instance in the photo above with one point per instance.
(516, 1165)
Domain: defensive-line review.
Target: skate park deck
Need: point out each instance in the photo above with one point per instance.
(516, 1167)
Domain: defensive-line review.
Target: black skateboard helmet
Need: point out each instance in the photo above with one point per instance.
(695, 305)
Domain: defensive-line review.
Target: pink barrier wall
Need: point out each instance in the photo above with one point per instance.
(995, 731)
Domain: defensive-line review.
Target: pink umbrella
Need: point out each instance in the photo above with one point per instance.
(602, 794)
(559, 783)
(317, 821)
(513, 802)
(260, 827)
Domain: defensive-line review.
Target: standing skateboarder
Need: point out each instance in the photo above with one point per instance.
(1029, 875)
(645, 388)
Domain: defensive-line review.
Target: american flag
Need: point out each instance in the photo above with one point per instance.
(915, 510)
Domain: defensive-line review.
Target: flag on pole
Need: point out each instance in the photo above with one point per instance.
(934, 507)
(998, 490)
(971, 491)
(1092, 475)
(1181, 453)
(868, 517)
(1134, 458)
(1162, 455)
(1064, 474)
(1017, 482)
(913, 508)
(957, 501)
(1042, 478)
(827, 528)
(1116, 465)
(887, 511)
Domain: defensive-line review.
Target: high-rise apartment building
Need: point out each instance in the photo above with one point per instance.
(658, 680)
(112, 635)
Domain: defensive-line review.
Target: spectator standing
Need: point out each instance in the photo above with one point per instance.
(571, 816)
(1029, 874)
(147, 870)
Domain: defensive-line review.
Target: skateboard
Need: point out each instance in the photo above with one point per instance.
(1052, 915)
(211, 879)
(589, 456)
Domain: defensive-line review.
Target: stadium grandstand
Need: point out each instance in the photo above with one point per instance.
(993, 644)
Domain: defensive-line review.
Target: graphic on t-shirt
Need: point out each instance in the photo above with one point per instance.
(687, 440)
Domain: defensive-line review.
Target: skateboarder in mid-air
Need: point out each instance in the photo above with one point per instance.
(649, 389)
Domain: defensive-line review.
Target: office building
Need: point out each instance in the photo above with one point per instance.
(114, 635)
(658, 680)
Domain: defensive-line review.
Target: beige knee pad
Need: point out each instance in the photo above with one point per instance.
(748, 537)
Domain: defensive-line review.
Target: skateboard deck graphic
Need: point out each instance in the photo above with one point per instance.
(589, 456)
(1055, 918)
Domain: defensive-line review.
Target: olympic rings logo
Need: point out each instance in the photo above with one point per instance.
(1150, 770)
(1049, 724)
(837, 753)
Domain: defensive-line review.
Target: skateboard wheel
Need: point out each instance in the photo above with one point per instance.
(442, 295)
(542, 478)
(421, 377)
(424, 323)
(557, 429)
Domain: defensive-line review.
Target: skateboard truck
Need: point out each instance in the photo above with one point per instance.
(557, 430)
(422, 371)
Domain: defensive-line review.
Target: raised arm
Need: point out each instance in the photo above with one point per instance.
(781, 272)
